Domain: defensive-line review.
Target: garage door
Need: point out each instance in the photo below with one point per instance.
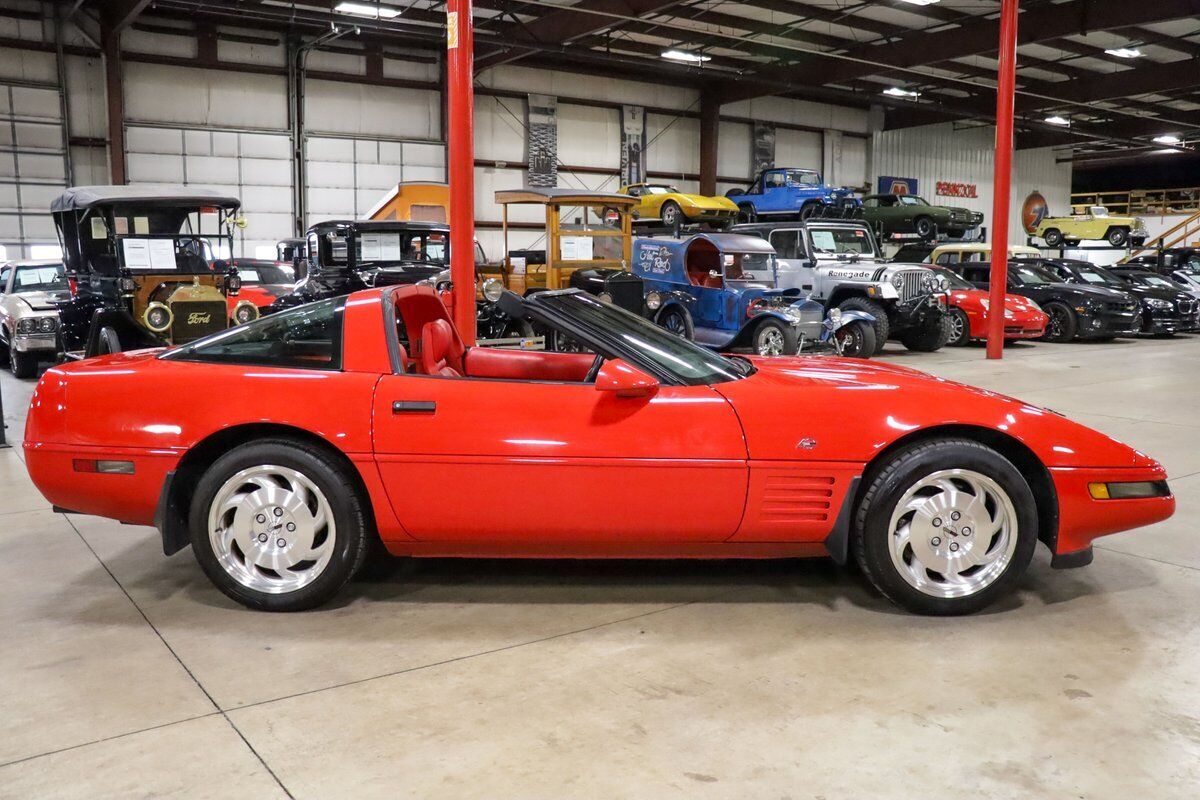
(347, 176)
(32, 168)
(253, 166)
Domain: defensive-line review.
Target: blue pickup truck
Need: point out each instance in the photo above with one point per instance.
(791, 193)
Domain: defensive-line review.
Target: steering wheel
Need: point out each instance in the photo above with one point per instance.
(594, 370)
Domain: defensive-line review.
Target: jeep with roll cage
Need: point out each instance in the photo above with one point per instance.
(147, 266)
(840, 264)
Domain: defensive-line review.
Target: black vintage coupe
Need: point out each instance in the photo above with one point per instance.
(1076, 311)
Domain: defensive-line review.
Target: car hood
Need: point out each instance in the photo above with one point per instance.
(43, 301)
(1101, 293)
(821, 408)
(1159, 294)
(701, 201)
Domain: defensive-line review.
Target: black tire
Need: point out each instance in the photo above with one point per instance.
(671, 215)
(857, 339)
(677, 321)
(1053, 237)
(109, 341)
(334, 480)
(1062, 325)
(23, 365)
(1117, 237)
(925, 228)
(929, 339)
(772, 333)
(809, 210)
(746, 213)
(517, 329)
(874, 309)
(888, 482)
(960, 328)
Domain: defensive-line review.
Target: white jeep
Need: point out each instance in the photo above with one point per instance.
(840, 264)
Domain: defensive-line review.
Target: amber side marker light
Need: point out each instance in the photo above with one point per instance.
(107, 467)
(1130, 490)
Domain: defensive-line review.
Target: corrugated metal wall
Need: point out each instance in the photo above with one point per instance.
(933, 153)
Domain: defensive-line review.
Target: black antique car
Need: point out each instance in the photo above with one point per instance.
(294, 252)
(1166, 307)
(1076, 311)
(344, 256)
(147, 266)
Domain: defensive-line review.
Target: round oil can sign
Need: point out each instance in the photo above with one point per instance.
(1033, 211)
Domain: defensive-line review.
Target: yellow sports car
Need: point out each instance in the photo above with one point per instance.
(671, 206)
(1094, 223)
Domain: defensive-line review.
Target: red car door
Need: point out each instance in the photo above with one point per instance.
(487, 460)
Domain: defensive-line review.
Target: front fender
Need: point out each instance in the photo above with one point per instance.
(854, 315)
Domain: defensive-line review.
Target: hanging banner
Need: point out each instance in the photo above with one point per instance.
(762, 148)
(541, 140)
(633, 144)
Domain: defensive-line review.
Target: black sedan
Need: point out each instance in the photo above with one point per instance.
(1166, 309)
(1076, 311)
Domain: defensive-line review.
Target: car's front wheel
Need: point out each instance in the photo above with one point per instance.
(930, 338)
(945, 527)
(881, 324)
(773, 338)
(278, 526)
(1117, 237)
(856, 339)
(23, 365)
(1061, 325)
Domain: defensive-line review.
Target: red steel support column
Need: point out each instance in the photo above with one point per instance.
(1005, 91)
(460, 158)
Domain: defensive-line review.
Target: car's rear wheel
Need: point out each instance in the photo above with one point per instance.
(1053, 237)
(925, 228)
(960, 328)
(23, 365)
(773, 338)
(746, 213)
(277, 526)
(945, 527)
(109, 341)
(1061, 323)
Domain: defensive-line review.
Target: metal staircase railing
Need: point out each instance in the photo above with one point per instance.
(1175, 236)
(1162, 202)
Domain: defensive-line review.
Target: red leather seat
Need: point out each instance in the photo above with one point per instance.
(441, 349)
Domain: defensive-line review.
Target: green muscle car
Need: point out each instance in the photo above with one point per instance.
(908, 213)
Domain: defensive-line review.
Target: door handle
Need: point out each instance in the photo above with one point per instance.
(414, 407)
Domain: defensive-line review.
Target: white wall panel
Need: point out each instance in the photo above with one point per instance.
(589, 136)
(348, 176)
(934, 153)
(733, 156)
(359, 109)
(32, 163)
(672, 144)
(565, 84)
(499, 128)
(218, 99)
(85, 86)
(27, 65)
(795, 148)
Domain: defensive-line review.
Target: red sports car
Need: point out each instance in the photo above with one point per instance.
(1023, 319)
(280, 448)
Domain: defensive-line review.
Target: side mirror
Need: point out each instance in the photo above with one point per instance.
(623, 380)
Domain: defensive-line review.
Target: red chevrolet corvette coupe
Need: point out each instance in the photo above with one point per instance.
(281, 448)
(968, 313)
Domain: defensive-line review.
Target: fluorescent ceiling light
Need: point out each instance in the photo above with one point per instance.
(686, 57)
(1167, 150)
(896, 91)
(1168, 139)
(1057, 120)
(1124, 52)
(921, 2)
(367, 10)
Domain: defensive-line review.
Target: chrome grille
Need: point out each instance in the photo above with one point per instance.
(1187, 306)
(911, 288)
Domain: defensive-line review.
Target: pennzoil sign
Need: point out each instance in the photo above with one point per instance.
(951, 189)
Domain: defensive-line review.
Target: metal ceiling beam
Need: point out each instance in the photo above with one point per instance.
(119, 13)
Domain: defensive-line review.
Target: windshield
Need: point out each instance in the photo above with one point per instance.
(265, 273)
(46, 278)
(690, 364)
(305, 337)
(374, 249)
(1157, 281)
(661, 190)
(750, 267)
(956, 281)
(841, 241)
(1030, 276)
(803, 177)
(1097, 276)
(911, 200)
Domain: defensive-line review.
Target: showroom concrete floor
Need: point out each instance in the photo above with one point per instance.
(123, 673)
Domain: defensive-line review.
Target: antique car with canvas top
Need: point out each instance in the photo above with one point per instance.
(840, 264)
(891, 214)
(790, 193)
(1093, 223)
(147, 265)
(366, 419)
(970, 308)
(672, 208)
(1075, 311)
(30, 293)
(721, 290)
(344, 256)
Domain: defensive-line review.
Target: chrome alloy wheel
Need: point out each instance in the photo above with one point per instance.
(770, 342)
(271, 529)
(958, 326)
(953, 533)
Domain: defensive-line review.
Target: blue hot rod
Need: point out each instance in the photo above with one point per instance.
(720, 290)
